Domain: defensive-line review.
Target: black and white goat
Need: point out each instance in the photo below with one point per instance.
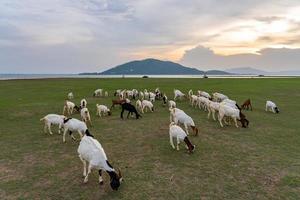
(91, 151)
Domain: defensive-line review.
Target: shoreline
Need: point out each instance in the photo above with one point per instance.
(71, 76)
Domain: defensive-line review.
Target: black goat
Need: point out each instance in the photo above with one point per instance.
(131, 109)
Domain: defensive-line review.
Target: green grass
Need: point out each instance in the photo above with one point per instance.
(261, 162)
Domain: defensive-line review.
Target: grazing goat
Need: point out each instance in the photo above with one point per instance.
(147, 104)
(91, 151)
(246, 105)
(233, 113)
(74, 125)
(98, 93)
(178, 94)
(83, 103)
(172, 104)
(69, 108)
(131, 109)
(53, 119)
(70, 95)
(179, 116)
(117, 102)
(271, 106)
(106, 94)
(178, 133)
(102, 109)
(85, 116)
(228, 111)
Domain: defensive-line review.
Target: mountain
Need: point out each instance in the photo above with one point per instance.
(151, 67)
(253, 71)
(246, 71)
(217, 72)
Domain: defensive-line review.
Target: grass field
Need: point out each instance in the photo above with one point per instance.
(261, 162)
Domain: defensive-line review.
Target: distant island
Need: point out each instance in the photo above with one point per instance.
(155, 67)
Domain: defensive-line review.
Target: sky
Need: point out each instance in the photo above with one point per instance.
(71, 36)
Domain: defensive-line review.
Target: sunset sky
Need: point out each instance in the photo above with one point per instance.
(71, 36)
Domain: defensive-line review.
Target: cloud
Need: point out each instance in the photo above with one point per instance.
(266, 59)
(92, 35)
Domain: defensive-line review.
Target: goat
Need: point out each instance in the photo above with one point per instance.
(74, 125)
(117, 102)
(246, 105)
(85, 116)
(147, 104)
(98, 93)
(102, 109)
(178, 133)
(53, 119)
(106, 93)
(131, 109)
(178, 94)
(69, 108)
(271, 106)
(91, 151)
(179, 116)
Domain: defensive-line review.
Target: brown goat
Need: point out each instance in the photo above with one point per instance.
(117, 102)
(247, 105)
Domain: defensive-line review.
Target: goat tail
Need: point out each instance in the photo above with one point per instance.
(42, 119)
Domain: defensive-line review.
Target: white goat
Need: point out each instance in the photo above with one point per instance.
(74, 125)
(178, 94)
(85, 116)
(178, 133)
(228, 111)
(102, 110)
(91, 151)
(98, 93)
(147, 104)
(69, 108)
(179, 116)
(106, 93)
(271, 106)
(53, 119)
